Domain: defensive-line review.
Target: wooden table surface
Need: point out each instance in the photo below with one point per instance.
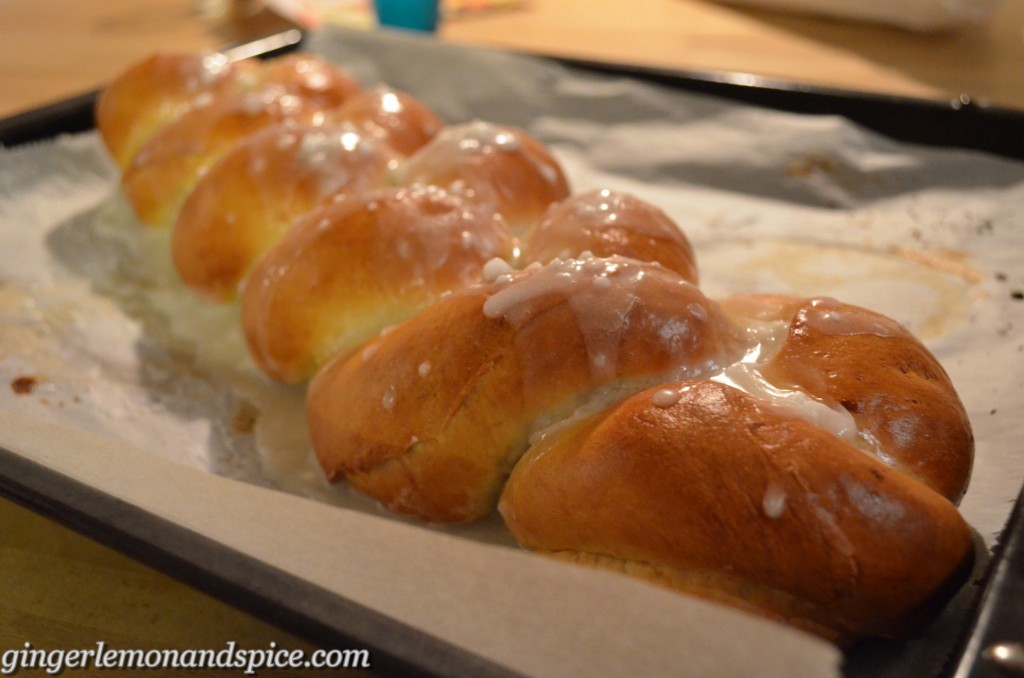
(61, 590)
(55, 48)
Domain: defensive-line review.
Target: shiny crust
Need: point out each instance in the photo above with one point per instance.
(156, 91)
(605, 223)
(430, 417)
(502, 167)
(311, 78)
(248, 199)
(167, 166)
(160, 89)
(401, 120)
(871, 366)
(719, 496)
(355, 265)
(297, 90)
(245, 203)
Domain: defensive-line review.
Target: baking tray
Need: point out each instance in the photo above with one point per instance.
(995, 601)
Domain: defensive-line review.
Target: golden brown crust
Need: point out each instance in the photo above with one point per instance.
(311, 78)
(429, 417)
(814, 529)
(605, 223)
(503, 167)
(398, 118)
(397, 419)
(349, 268)
(296, 89)
(157, 90)
(249, 198)
(167, 166)
(872, 367)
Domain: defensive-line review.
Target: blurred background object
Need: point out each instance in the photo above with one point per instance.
(59, 48)
(415, 15)
(916, 15)
(226, 10)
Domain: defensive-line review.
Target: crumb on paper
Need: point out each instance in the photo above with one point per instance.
(24, 385)
(810, 165)
(244, 420)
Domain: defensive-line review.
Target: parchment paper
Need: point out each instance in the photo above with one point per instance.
(96, 332)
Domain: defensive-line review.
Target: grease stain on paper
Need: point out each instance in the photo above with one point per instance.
(930, 292)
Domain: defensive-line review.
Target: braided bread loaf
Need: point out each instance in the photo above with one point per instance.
(780, 484)
(438, 410)
(356, 265)
(151, 94)
(208, 115)
(475, 338)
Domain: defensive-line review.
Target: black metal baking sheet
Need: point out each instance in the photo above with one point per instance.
(996, 599)
(960, 122)
(999, 616)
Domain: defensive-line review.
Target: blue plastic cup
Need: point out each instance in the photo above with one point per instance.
(413, 15)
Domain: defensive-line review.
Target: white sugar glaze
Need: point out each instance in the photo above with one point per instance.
(606, 296)
(832, 317)
(447, 229)
(457, 147)
(604, 208)
(747, 376)
(317, 146)
(603, 294)
(479, 137)
(609, 298)
(213, 67)
(773, 503)
(455, 157)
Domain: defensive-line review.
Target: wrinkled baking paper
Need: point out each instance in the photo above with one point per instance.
(96, 332)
